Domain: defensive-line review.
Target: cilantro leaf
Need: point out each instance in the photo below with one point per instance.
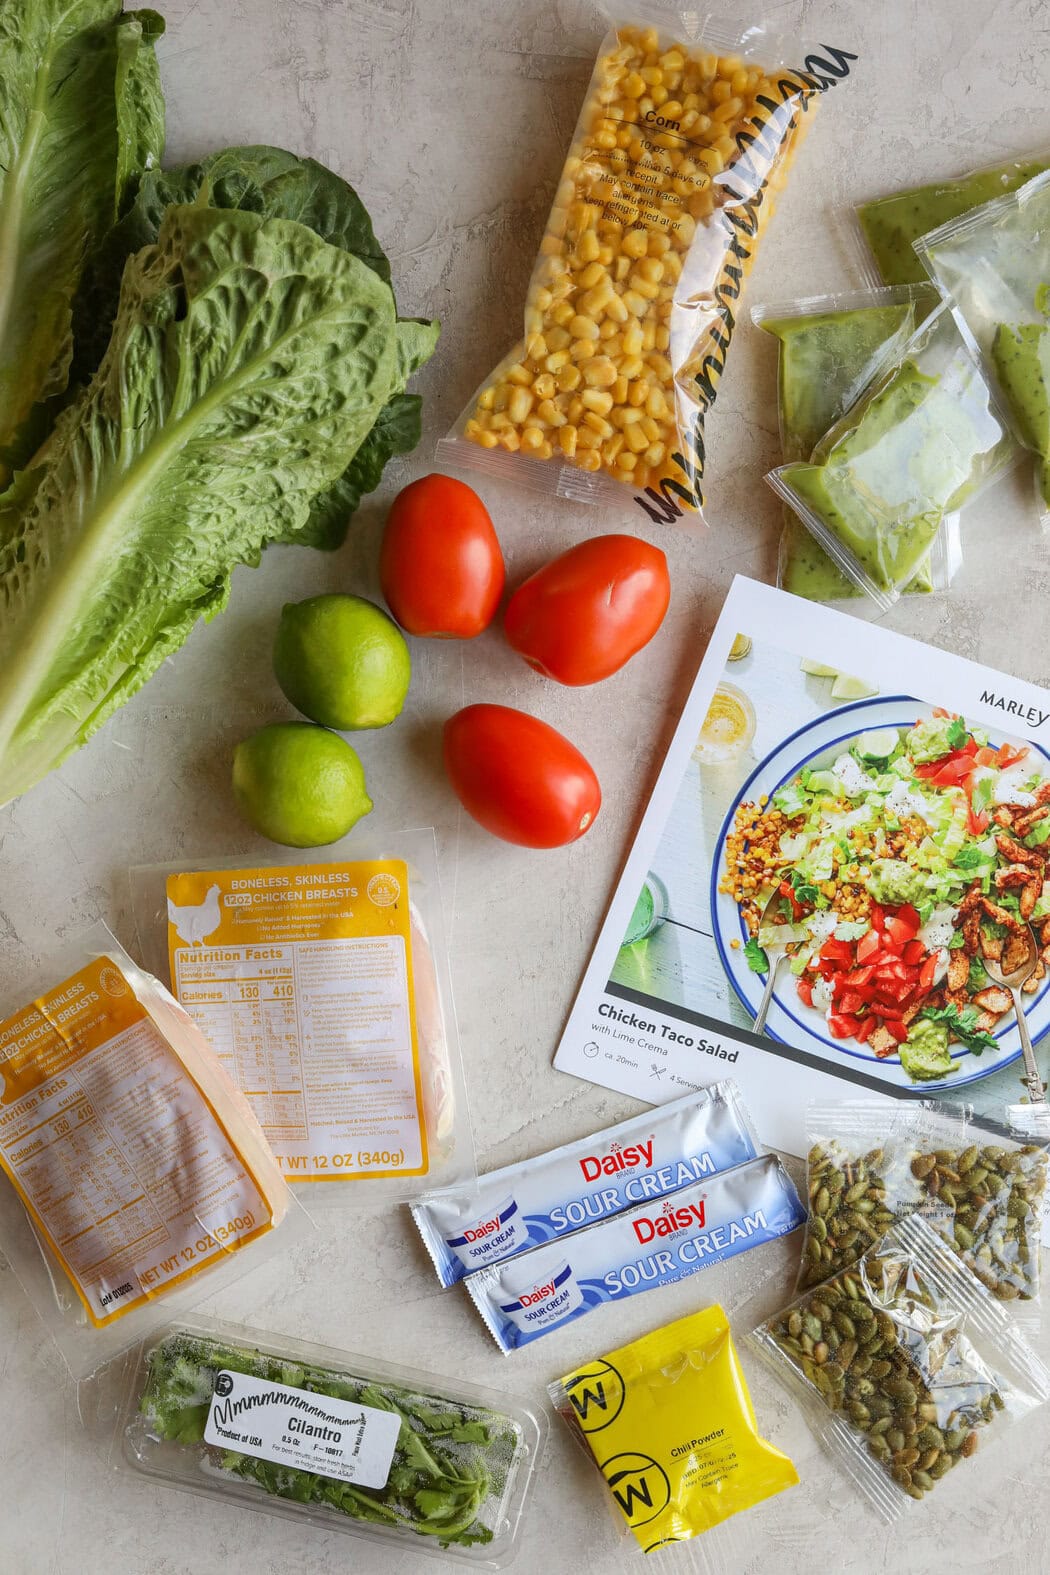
(802, 886)
(962, 1025)
(982, 795)
(957, 733)
(755, 957)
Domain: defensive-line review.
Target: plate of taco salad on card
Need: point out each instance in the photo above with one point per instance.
(891, 861)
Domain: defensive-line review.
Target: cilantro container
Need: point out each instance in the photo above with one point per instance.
(395, 1455)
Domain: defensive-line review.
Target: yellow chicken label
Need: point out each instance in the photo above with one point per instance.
(669, 1420)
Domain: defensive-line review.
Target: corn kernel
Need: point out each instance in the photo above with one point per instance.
(650, 427)
(654, 454)
(619, 390)
(519, 375)
(587, 437)
(599, 372)
(532, 439)
(581, 327)
(567, 441)
(510, 441)
(616, 311)
(487, 399)
(638, 391)
(591, 275)
(635, 438)
(596, 400)
(553, 363)
(519, 406)
(597, 423)
(575, 411)
(632, 340)
(588, 247)
(612, 448)
(568, 378)
(626, 463)
(591, 460)
(487, 439)
(549, 413)
(544, 386)
(635, 243)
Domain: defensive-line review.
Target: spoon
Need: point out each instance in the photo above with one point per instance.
(771, 914)
(1013, 981)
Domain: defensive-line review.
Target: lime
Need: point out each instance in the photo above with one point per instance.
(847, 688)
(342, 662)
(299, 784)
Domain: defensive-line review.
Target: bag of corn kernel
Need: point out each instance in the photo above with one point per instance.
(684, 140)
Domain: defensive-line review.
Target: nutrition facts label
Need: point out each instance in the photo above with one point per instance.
(315, 1026)
(120, 1159)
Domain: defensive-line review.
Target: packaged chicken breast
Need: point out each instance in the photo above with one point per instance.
(684, 142)
(138, 1174)
(323, 985)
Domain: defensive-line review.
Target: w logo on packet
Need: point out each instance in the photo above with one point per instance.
(639, 1485)
(596, 1394)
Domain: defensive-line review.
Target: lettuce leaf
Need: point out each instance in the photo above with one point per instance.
(275, 184)
(249, 362)
(81, 116)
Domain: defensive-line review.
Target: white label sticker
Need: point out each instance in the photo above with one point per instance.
(295, 1427)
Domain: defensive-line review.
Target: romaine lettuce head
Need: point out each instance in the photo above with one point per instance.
(248, 363)
(81, 117)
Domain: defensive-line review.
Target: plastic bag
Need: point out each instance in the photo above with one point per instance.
(905, 1365)
(411, 1461)
(994, 264)
(669, 1422)
(684, 140)
(139, 1178)
(923, 440)
(324, 988)
(982, 1189)
(892, 224)
(830, 348)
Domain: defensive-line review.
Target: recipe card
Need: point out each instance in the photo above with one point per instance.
(866, 819)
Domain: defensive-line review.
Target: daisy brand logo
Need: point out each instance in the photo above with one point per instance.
(671, 1219)
(616, 1160)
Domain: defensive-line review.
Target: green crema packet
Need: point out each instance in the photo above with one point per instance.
(993, 266)
(339, 1440)
(892, 224)
(914, 447)
(1021, 358)
(826, 357)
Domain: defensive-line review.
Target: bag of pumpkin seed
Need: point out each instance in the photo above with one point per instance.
(981, 1186)
(905, 1364)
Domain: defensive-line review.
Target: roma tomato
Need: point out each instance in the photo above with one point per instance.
(583, 615)
(440, 564)
(519, 778)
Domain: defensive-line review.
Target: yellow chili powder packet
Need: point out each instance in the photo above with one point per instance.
(670, 1423)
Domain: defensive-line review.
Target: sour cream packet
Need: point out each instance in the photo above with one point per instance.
(656, 1243)
(474, 1224)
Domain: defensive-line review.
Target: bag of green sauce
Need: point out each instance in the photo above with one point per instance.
(920, 441)
(830, 348)
(994, 265)
(892, 224)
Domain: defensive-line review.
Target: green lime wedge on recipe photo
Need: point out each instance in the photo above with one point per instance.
(299, 785)
(342, 662)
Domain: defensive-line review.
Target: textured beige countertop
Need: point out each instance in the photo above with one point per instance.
(452, 118)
